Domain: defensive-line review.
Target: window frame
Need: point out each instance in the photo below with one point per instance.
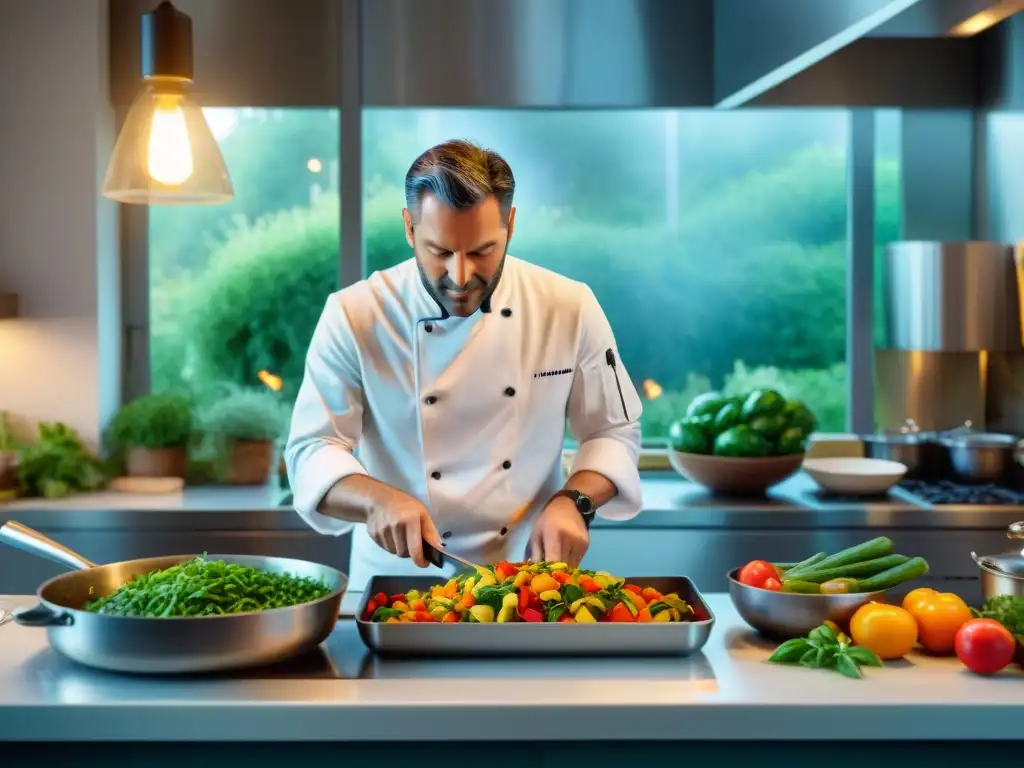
(860, 194)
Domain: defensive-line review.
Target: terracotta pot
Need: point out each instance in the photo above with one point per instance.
(156, 462)
(249, 462)
(8, 470)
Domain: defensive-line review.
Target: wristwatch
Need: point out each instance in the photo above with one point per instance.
(584, 504)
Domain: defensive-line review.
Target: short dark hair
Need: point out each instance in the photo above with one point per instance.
(460, 174)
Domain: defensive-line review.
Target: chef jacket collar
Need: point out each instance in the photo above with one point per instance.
(435, 304)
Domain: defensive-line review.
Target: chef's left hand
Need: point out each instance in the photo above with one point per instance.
(559, 534)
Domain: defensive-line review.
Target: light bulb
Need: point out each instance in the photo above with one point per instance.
(170, 152)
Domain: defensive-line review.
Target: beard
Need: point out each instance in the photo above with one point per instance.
(439, 290)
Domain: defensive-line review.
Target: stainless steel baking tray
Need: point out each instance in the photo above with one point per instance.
(538, 639)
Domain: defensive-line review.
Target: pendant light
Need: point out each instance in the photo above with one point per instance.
(166, 153)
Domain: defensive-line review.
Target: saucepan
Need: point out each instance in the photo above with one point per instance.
(1002, 574)
(174, 645)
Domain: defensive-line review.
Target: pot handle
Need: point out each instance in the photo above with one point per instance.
(1015, 530)
(41, 616)
(24, 538)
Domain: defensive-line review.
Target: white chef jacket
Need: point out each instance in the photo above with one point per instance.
(466, 414)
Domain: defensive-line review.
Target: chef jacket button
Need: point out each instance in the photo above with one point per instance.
(436, 475)
(506, 464)
(443, 544)
(446, 535)
(506, 312)
(510, 391)
(429, 399)
(504, 531)
(429, 327)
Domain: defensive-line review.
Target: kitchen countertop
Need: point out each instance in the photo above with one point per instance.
(669, 502)
(347, 694)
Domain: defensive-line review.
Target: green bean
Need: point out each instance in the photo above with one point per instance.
(202, 587)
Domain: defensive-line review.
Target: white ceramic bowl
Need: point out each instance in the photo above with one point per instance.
(859, 477)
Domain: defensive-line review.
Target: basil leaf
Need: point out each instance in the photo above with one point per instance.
(826, 633)
(864, 656)
(847, 666)
(807, 660)
(789, 652)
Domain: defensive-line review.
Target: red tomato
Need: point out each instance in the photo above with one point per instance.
(985, 646)
(756, 572)
(772, 583)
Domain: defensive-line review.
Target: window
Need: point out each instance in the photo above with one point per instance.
(714, 241)
(236, 289)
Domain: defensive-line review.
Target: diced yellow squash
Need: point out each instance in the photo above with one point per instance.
(482, 613)
(522, 578)
(412, 594)
(551, 594)
(398, 605)
(583, 616)
(664, 616)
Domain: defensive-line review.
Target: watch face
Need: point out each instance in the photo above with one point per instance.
(584, 504)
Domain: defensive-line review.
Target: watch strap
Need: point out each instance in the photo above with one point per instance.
(584, 504)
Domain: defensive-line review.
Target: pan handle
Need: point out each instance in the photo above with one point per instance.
(41, 616)
(24, 538)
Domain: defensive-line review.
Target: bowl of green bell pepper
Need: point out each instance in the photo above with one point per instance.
(740, 443)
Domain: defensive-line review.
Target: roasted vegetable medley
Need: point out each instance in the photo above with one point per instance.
(202, 587)
(531, 592)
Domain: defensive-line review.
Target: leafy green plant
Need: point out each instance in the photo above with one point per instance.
(8, 440)
(161, 420)
(58, 464)
(245, 414)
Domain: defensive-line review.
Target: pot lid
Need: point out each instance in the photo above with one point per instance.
(907, 434)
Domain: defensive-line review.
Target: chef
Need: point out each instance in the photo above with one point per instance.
(435, 395)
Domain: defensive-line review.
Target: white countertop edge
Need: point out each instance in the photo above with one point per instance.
(363, 722)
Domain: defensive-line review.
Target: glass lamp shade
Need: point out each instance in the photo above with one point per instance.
(166, 153)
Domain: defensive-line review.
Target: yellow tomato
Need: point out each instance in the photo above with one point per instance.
(916, 597)
(888, 630)
(938, 618)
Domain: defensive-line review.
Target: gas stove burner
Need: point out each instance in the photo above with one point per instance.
(949, 492)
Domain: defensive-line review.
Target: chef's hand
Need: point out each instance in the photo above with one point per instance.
(400, 525)
(559, 534)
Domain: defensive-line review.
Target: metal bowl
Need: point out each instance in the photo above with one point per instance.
(785, 615)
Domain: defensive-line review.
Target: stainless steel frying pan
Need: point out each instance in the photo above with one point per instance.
(177, 645)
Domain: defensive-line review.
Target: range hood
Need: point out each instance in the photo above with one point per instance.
(761, 46)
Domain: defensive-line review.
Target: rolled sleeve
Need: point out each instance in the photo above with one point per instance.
(327, 419)
(605, 422)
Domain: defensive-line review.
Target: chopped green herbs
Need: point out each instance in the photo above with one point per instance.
(202, 587)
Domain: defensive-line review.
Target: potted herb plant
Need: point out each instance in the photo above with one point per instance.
(248, 422)
(8, 457)
(149, 436)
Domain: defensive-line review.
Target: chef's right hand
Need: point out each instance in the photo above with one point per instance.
(400, 525)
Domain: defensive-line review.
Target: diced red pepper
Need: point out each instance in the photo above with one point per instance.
(620, 614)
(634, 589)
(527, 599)
(589, 585)
(561, 577)
(565, 618)
(504, 570)
(396, 599)
(532, 615)
(380, 599)
(423, 616)
(450, 618)
(643, 615)
(371, 607)
(417, 605)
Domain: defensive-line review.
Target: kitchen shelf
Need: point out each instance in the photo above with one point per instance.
(8, 305)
